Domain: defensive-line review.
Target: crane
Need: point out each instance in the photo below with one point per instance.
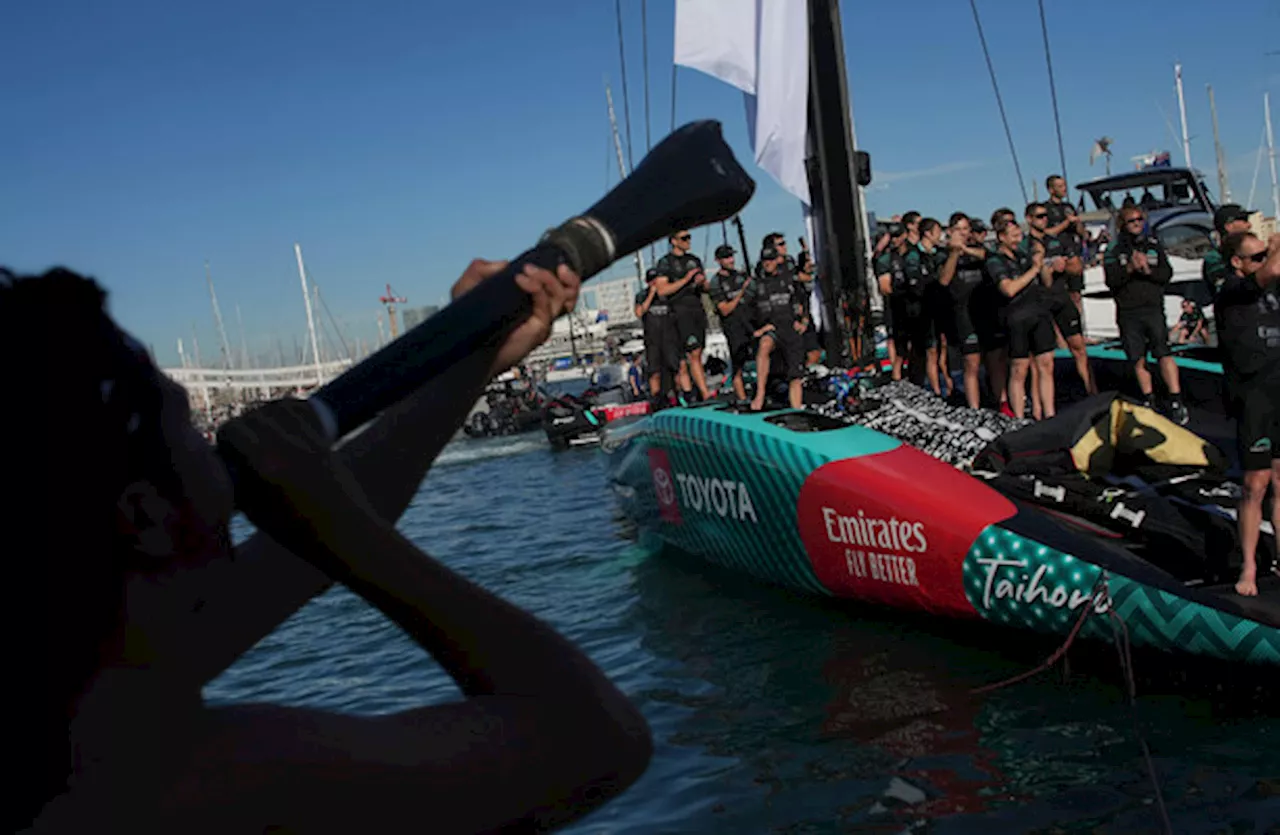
(391, 300)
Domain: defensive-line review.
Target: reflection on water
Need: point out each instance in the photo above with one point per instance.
(774, 712)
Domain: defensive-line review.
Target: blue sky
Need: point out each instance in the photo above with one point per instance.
(399, 141)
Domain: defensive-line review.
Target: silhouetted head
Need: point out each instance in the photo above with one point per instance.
(113, 482)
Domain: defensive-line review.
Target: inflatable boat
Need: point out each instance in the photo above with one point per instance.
(888, 495)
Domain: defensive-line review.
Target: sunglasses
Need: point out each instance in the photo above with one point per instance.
(1040, 216)
(683, 237)
(1256, 258)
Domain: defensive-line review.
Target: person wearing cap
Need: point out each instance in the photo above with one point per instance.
(1227, 220)
(1249, 332)
(891, 275)
(685, 269)
(1137, 271)
(661, 340)
(781, 321)
(728, 289)
(922, 261)
(1065, 225)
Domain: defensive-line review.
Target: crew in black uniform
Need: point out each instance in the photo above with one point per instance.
(960, 275)
(805, 278)
(891, 274)
(1065, 312)
(1065, 225)
(728, 290)
(883, 241)
(1021, 276)
(780, 321)
(690, 316)
(1248, 313)
(661, 342)
(1137, 271)
(935, 302)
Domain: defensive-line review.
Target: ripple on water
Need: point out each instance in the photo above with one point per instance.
(771, 712)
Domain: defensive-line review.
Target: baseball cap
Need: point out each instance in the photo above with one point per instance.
(1228, 213)
(724, 251)
(652, 274)
(977, 225)
(768, 253)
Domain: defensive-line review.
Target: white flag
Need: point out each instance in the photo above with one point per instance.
(762, 48)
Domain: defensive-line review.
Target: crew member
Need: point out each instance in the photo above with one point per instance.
(1022, 277)
(1248, 314)
(1137, 271)
(911, 220)
(1227, 220)
(807, 293)
(1065, 225)
(960, 275)
(922, 263)
(1191, 326)
(661, 340)
(686, 304)
(891, 275)
(1065, 312)
(780, 321)
(882, 246)
(995, 323)
(728, 290)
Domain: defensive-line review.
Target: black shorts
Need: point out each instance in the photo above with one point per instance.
(964, 334)
(887, 314)
(811, 341)
(737, 332)
(1257, 426)
(1143, 331)
(1065, 314)
(691, 325)
(913, 326)
(1075, 282)
(1031, 334)
(986, 314)
(662, 346)
(938, 307)
(787, 357)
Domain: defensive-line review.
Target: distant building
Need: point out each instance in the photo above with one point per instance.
(615, 298)
(414, 316)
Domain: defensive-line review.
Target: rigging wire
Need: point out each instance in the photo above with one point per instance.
(999, 101)
(644, 47)
(1053, 91)
(673, 96)
(1257, 166)
(626, 106)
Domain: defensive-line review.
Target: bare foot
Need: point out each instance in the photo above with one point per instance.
(1247, 585)
(755, 407)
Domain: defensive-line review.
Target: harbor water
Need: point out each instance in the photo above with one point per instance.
(773, 712)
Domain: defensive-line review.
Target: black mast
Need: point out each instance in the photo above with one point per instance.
(834, 169)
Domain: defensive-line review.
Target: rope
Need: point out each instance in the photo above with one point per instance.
(1120, 631)
(1059, 653)
(999, 101)
(644, 46)
(1053, 91)
(626, 106)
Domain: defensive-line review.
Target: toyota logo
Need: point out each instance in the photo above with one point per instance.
(662, 484)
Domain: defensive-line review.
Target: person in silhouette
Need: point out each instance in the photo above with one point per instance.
(131, 598)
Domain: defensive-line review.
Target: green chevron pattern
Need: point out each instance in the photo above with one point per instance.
(1013, 580)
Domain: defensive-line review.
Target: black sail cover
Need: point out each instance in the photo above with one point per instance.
(1126, 468)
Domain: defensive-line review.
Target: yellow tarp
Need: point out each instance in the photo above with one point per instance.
(1129, 428)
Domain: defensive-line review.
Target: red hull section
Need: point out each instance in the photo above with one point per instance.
(894, 528)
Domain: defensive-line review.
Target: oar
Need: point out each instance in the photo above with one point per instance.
(689, 179)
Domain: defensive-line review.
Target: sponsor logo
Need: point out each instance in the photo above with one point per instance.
(664, 486)
(1261, 445)
(877, 540)
(726, 499)
(1016, 585)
